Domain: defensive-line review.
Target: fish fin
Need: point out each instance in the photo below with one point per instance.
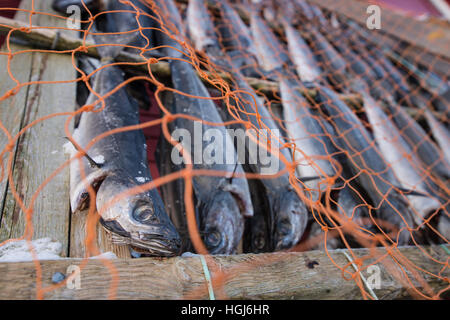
(79, 194)
(91, 161)
(245, 205)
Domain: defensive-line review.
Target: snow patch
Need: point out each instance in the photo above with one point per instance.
(100, 159)
(69, 148)
(17, 251)
(140, 179)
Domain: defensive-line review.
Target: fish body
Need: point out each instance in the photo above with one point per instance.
(223, 201)
(201, 27)
(401, 159)
(351, 205)
(309, 134)
(272, 59)
(305, 9)
(334, 66)
(125, 28)
(377, 178)
(171, 31)
(418, 140)
(288, 213)
(440, 133)
(236, 39)
(140, 219)
(307, 68)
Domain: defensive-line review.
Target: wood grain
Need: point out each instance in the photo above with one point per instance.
(78, 237)
(262, 276)
(40, 148)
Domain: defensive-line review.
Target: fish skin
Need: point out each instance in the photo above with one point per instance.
(289, 215)
(257, 234)
(307, 68)
(402, 160)
(140, 219)
(352, 206)
(303, 127)
(201, 28)
(333, 65)
(172, 33)
(440, 133)
(269, 60)
(173, 192)
(223, 208)
(416, 137)
(427, 80)
(122, 18)
(353, 138)
(236, 39)
(306, 130)
(305, 9)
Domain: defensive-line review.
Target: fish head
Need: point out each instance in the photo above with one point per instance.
(136, 219)
(223, 224)
(290, 221)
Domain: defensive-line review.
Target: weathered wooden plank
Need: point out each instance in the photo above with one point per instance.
(40, 149)
(430, 37)
(78, 237)
(12, 109)
(307, 275)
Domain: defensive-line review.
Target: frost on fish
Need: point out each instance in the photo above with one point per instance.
(17, 251)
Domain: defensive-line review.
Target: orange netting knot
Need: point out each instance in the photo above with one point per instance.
(324, 228)
(85, 78)
(358, 262)
(10, 146)
(28, 212)
(87, 108)
(152, 60)
(10, 93)
(82, 49)
(170, 117)
(202, 74)
(25, 29)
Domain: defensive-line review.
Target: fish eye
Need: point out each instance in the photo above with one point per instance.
(213, 239)
(284, 228)
(144, 214)
(259, 241)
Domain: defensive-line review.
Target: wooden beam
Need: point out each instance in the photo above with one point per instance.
(305, 275)
(430, 37)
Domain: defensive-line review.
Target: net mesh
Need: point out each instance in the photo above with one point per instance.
(372, 106)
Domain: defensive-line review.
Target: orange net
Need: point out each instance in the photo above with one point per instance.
(344, 132)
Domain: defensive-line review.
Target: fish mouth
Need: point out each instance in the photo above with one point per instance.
(156, 247)
(153, 244)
